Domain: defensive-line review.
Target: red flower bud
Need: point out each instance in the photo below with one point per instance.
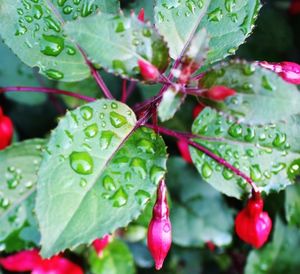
(219, 93)
(288, 71)
(211, 246)
(159, 230)
(294, 7)
(148, 71)
(197, 110)
(183, 147)
(252, 224)
(100, 244)
(6, 130)
(141, 15)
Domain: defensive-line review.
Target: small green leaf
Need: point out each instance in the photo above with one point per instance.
(268, 154)
(228, 24)
(118, 42)
(292, 204)
(279, 256)
(34, 31)
(169, 104)
(263, 97)
(19, 164)
(116, 259)
(97, 175)
(199, 213)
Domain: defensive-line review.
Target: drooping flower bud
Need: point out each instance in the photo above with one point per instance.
(148, 71)
(101, 243)
(159, 230)
(252, 224)
(197, 110)
(184, 151)
(6, 130)
(141, 15)
(219, 93)
(288, 71)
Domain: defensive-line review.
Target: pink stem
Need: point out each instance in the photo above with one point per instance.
(124, 91)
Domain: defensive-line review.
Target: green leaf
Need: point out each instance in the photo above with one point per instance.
(263, 97)
(14, 73)
(265, 153)
(279, 256)
(118, 42)
(228, 24)
(169, 104)
(199, 213)
(292, 204)
(116, 259)
(97, 174)
(33, 30)
(19, 164)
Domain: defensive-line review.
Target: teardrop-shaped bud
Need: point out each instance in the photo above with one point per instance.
(252, 224)
(101, 243)
(148, 71)
(6, 130)
(183, 147)
(160, 230)
(197, 109)
(219, 93)
(141, 15)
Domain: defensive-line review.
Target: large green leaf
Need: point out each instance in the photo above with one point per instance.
(279, 256)
(97, 174)
(292, 204)
(116, 259)
(33, 30)
(118, 42)
(263, 97)
(228, 23)
(199, 213)
(268, 154)
(14, 73)
(18, 168)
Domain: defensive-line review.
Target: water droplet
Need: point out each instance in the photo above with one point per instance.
(250, 153)
(255, 173)
(51, 45)
(67, 9)
(267, 174)
(86, 113)
(101, 115)
(233, 17)
(147, 32)
(235, 130)
(114, 105)
(294, 169)
(119, 66)
(20, 11)
(265, 83)
(232, 50)
(227, 174)
(139, 166)
(81, 162)
(71, 50)
(21, 30)
(229, 5)
(83, 182)
(244, 26)
(108, 183)
(142, 197)
(120, 27)
(119, 198)
(206, 170)
(117, 120)
(250, 134)
(276, 168)
(54, 74)
(91, 131)
(156, 173)
(28, 18)
(4, 203)
(61, 2)
(279, 140)
(215, 15)
(38, 12)
(248, 69)
(106, 138)
(146, 146)
(161, 17)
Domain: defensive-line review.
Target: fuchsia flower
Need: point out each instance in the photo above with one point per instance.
(219, 93)
(184, 151)
(141, 15)
(101, 243)
(30, 260)
(159, 230)
(148, 71)
(252, 224)
(6, 130)
(288, 71)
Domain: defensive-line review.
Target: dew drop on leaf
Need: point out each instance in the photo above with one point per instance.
(227, 174)
(139, 167)
(106, 138)
(255, 173)
(81, 162)
(279, 140)
(206, 170)
(294, 169)
(276, 168)
(142, 197)
(86, 113)
(51, 45)
(54, 74)
(108, 183)
(91, 131)
(117, 120)
(120, 197)
(156, 174)
(235, 130)
(229, 5)
(83, 182)
(215, 15)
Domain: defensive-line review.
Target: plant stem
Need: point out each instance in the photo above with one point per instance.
(96, 76)
(124, 91)
(46, 90)
(130, 89)
(187, 138)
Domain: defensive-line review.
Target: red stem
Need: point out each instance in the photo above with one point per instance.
(124, 91)
(185, 137)
(48, 91)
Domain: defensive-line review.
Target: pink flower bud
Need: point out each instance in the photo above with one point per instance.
(6, 130)
(288, 71)
(197, 110)
(252, 224)
(219, 93)
(141, 15)
(100, 244)
(184, 151)
(159, 230)
(148, 71)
